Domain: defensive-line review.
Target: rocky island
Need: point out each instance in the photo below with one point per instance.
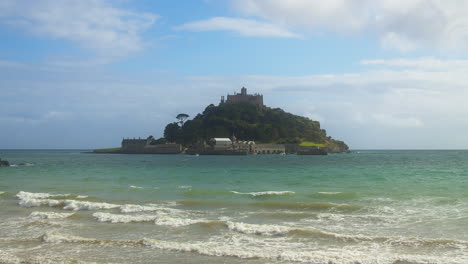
(239, 125)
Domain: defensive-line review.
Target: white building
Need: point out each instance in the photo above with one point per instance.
(222, 143)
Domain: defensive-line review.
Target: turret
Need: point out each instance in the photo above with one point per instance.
(244, 91)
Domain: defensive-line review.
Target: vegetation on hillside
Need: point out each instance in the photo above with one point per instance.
(107, 150)
(250, 122)
(311, 144)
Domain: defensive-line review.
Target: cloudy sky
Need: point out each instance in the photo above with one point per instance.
(378, 74)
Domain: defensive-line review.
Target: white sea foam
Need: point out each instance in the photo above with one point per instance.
(247, 247)
(159, 219)
(31, 202)
(266, 193)
(329, 193)
(8, 258)
(258, 229)
(135, 187)
(184, 186)
(134, 208)
(81, 196)
(49, 215)
(118, 218)
(28, 199)
(85, 205)
(29, 195)
(60, 238)
(177, 222)
(251, 250)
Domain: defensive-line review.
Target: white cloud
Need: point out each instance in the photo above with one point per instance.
(93, 24)
(244, 27)
(421, 63)
(404, 25)
(389, 120)
(402, 103)
(382, 107)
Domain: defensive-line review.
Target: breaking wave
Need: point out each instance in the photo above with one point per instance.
(329, 193)
(267, 193)
(177, 222)
(49, 215)
(133, 208)
(158, 219)
(119, 218)
(28, 199)
(253, 249)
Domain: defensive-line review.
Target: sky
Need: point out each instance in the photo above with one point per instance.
(378, 74)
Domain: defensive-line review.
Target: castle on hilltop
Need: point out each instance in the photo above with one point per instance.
(243, 97)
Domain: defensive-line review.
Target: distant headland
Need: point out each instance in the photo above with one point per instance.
(239, 125)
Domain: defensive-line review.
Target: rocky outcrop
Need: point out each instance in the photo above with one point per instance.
(337, 146)
(4, 163)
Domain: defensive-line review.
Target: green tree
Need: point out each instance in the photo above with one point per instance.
(182, 117)
(172, 132)
(159, 141)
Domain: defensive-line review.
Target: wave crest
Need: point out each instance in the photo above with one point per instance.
(266, 193)
(49, 215)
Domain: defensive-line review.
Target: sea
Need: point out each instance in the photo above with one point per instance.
(369, 207)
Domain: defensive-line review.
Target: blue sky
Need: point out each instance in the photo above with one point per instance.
(383, 74)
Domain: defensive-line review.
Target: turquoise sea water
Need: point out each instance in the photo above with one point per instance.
(365, 207)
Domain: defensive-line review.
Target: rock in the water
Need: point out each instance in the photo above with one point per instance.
(4, 163)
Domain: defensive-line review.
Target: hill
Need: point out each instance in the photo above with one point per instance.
(251, 122)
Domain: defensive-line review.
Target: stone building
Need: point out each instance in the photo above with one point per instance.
(133, 145)
(270, 149)
(243, 97)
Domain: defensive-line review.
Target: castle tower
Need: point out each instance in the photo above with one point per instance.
(243, 97)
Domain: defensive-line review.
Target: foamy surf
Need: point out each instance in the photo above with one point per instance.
(28, 199)
(158, 219)
(29, 195)
(119, 218)
(49, 215)
(249, 248)
(178, 222)
(135, 208)
(135, 187)
(9, 258)
(85, 205)
(258, 229)
(267, 193)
